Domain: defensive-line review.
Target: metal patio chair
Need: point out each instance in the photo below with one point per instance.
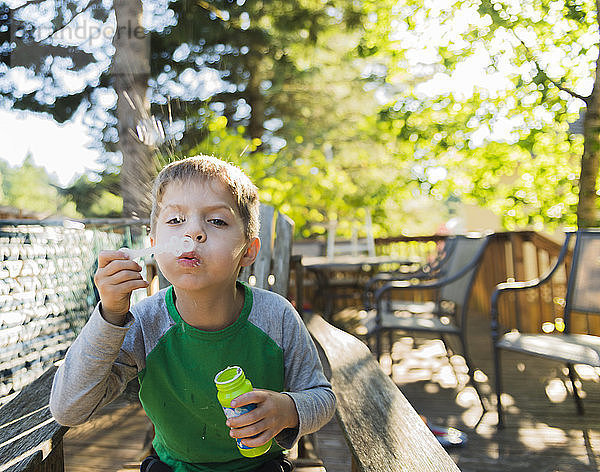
(583, 296)
(435, 269)
(446, 314)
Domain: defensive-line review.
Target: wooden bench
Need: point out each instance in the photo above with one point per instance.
(381, 428)
(30, 439)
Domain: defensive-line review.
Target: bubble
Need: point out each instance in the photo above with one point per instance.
(175, 246)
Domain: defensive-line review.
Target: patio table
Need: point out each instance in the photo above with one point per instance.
(356, 267)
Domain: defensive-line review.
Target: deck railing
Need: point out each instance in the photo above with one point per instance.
(518, 255)
(46, 290)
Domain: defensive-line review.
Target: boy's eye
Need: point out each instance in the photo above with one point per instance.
(175, 220)
(217, 222)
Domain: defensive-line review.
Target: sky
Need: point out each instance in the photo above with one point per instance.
(61, 149)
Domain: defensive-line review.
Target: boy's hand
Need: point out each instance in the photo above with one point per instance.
(273, 413)
(117, 276)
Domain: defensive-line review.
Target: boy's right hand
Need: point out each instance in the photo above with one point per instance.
(117, 276)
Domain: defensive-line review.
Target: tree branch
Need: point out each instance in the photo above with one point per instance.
(558, 85)
(207, 6)
(218, 13)
(26, 4)
(87, 7)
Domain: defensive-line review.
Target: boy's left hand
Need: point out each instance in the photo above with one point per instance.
(274, 412)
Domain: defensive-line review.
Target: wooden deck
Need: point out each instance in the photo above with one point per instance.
(111, 441)
(543, 432)
(114, 440)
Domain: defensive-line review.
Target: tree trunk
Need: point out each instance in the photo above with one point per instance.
(256, 126)
(130, 72)
(587, 213)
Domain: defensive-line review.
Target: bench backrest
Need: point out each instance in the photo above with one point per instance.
(271, 270)
(382, 429)
(30, 439)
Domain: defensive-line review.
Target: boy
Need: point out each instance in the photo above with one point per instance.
(177, 340)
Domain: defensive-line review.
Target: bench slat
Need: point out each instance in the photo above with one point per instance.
(282, 250)
(262, 265)
(27, 428)
(382, 428)
(28, 464)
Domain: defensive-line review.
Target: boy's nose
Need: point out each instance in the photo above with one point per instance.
(198, 236)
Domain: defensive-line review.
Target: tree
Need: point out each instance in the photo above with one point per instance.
(535, 59)
(234, 58)
(96, 198)
(130, 71)
(332, 165)
(47, 50)
(29, 187)
(243, 47)
(579, 19)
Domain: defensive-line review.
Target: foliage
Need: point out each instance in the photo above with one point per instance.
(238, 56)
(29, 187)
(330, 165)
(337, 107)
(486, 91)
(96, 198)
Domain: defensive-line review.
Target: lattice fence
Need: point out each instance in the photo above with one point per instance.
(46, 295)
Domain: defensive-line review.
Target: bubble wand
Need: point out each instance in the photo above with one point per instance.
(175, 246)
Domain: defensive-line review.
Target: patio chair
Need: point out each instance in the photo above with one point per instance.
(446, 314)
(435, 269)
(583, 296)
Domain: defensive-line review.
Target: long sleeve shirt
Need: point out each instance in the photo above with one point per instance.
(176, 365)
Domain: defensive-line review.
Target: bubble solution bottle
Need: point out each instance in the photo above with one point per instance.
(232, 383)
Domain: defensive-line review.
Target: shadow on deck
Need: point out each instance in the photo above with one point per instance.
(543, 431)
(111, 441)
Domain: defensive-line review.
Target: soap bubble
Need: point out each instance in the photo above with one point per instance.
(175, 246)
(178, 246)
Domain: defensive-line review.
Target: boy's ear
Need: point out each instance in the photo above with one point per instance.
(251, 252)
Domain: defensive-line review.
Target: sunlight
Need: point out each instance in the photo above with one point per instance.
(62, 149)
(540, 436)
(479, 376)
(556, 391)
(467, 397)
(445, 377)
(587, 372)
(385, 361)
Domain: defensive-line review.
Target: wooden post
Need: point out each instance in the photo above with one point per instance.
(299, 278)
(331, 225)
(370, 239)
(519, 272)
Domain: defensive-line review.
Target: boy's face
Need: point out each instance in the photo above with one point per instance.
(205, 211)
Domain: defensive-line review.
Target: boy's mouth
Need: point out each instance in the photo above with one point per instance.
(189, 259)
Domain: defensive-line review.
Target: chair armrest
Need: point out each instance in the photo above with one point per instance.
(514, 286)
(389, 277)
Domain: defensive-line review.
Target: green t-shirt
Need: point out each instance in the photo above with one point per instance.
(179, 394)
(176, 365)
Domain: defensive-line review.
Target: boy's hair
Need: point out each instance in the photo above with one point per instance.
(205, 167)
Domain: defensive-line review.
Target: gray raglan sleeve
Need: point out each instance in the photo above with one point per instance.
(95, 371)
(305, 381)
